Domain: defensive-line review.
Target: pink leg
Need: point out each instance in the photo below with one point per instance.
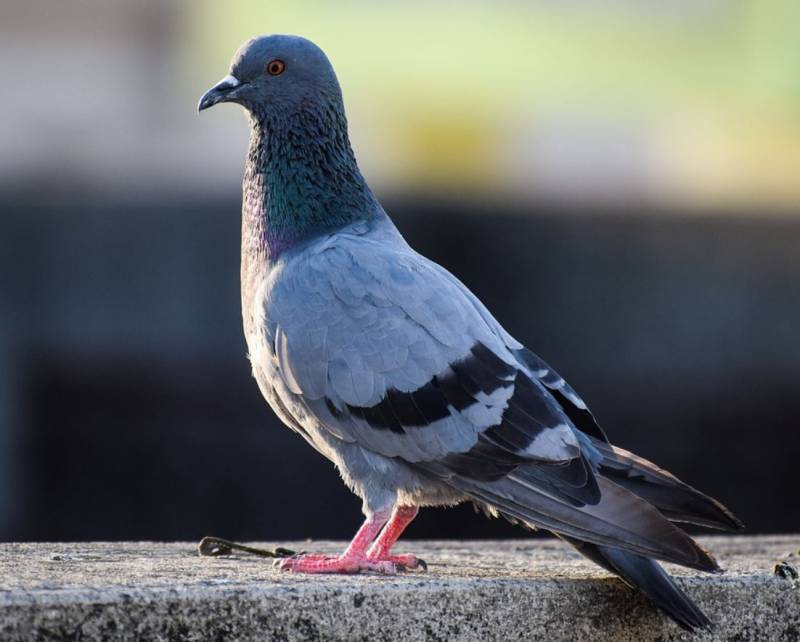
(353, 560)
(402, 516)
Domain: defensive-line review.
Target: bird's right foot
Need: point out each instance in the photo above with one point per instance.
(315, 563)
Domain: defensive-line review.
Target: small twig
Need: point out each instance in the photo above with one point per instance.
(216, 546)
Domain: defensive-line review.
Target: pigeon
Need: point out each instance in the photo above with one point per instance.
(389, 366)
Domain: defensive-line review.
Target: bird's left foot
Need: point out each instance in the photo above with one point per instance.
(315, 563)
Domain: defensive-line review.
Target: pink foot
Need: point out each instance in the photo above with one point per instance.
(311, 563)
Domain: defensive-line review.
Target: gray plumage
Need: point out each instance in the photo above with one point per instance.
(390, 367)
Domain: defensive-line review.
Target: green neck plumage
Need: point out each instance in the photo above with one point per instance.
(301, 180)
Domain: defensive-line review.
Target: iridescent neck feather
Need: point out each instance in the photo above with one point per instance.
(301, 179)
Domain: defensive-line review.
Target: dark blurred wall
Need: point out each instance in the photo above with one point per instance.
(127, 410)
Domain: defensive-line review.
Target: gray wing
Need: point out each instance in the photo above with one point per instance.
(387, 351)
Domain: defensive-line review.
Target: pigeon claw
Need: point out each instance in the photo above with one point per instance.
(347, 564)
(407, 562)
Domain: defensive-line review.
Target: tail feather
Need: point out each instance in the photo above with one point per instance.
(676, 500)
(620, 519)
(648, 576)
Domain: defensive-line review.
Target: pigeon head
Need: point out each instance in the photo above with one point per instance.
(276, 74)
(301, 179)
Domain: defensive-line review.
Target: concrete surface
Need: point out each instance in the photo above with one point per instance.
(512, 590)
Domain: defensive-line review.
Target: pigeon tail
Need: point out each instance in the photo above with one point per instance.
(676, 500)
(620, 519)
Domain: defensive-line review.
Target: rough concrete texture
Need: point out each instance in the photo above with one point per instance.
(512, 590)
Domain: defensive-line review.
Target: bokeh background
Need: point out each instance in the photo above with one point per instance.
(618, 181)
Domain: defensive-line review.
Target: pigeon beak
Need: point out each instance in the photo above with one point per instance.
(219, 93)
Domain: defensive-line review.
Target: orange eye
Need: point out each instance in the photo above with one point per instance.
(276, 67)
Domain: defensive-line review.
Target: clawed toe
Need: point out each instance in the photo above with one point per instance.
(407, 562)
(315, 563)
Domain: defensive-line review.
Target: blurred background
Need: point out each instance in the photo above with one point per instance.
(618, 181)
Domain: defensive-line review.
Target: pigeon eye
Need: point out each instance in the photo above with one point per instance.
(276, 67)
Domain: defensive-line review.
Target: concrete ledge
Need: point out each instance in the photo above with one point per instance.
(524, 589)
